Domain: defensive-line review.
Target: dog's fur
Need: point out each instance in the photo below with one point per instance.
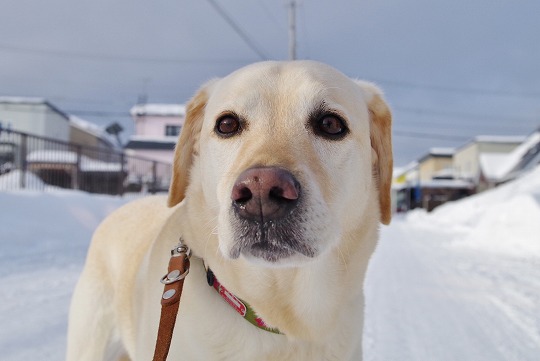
(315, 297)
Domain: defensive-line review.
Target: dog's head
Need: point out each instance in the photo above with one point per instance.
(285, 158)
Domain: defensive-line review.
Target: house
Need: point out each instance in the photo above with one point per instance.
(85, 133)
(499, 168)
(437, 161)
(34, 116)
(429, 182)
(157, 127)
(39, 117)
(471, 160)
(62, 150)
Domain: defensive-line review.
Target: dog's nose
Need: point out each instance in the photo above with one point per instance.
(265, 193)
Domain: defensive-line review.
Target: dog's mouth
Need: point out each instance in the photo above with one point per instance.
(271, 241)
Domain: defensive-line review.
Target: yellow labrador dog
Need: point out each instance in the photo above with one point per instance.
(281, 177)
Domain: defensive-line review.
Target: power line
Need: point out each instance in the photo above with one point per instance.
(238, 30)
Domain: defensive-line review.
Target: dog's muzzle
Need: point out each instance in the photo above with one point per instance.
(267, 212)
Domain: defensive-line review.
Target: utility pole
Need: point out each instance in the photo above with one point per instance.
(292, 30)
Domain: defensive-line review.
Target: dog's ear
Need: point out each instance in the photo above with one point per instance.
(187, 146)
(381, 145)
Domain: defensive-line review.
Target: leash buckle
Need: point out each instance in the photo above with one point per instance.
(175, 275)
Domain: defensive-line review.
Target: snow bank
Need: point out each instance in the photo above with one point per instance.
(12, 180)
(503, 220)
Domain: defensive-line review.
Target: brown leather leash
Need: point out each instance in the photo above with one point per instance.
(170, 300)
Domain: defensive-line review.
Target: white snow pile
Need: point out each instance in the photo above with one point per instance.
(504, 220)
(12, 180)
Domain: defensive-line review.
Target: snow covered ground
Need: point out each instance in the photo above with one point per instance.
(461, 283)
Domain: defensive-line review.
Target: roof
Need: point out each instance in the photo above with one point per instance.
(33, 101)
(87, 164)
(438, 153)
(162, 110)
(500, 139)
(500, 167)
(91, 128)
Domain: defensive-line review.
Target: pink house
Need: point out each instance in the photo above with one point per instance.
(156, 130)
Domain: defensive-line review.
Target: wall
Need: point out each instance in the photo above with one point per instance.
(37, 119)
(154, 126)
(431, 165)
(466, 164)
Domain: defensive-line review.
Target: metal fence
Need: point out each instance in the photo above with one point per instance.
(33, 162)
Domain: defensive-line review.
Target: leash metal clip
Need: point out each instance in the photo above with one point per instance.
(174, 276)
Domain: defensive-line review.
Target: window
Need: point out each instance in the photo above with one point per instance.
(172, 130)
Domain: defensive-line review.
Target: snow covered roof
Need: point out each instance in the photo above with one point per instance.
(490, 163)
(68, 157)
(498, 167)
(162, 110)
(438, 153)
(442, 151)
(86, 126)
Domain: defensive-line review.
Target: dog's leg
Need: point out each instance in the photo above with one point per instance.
(91, 331)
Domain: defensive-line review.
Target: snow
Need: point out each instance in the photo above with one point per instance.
(442, 151)
(87, 126)
(460, 283)
(67, 157)
(43, 237)
(159, 110)
(516, 155)
(12, 180)
(490, 163)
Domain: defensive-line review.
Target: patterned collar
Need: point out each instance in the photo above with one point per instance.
(243, 308)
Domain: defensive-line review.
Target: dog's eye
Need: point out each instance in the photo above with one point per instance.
(228, 125)
(331, 126)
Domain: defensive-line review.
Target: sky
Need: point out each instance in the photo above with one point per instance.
(450, 70)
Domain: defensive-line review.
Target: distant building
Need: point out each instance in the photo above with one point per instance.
(62, 150)
(437, 161)
(34, 116)
(429, 182)
(472, 160)
(496, 169)
(37, 116)
(83, 132)
(444, 174)
(157, 127)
